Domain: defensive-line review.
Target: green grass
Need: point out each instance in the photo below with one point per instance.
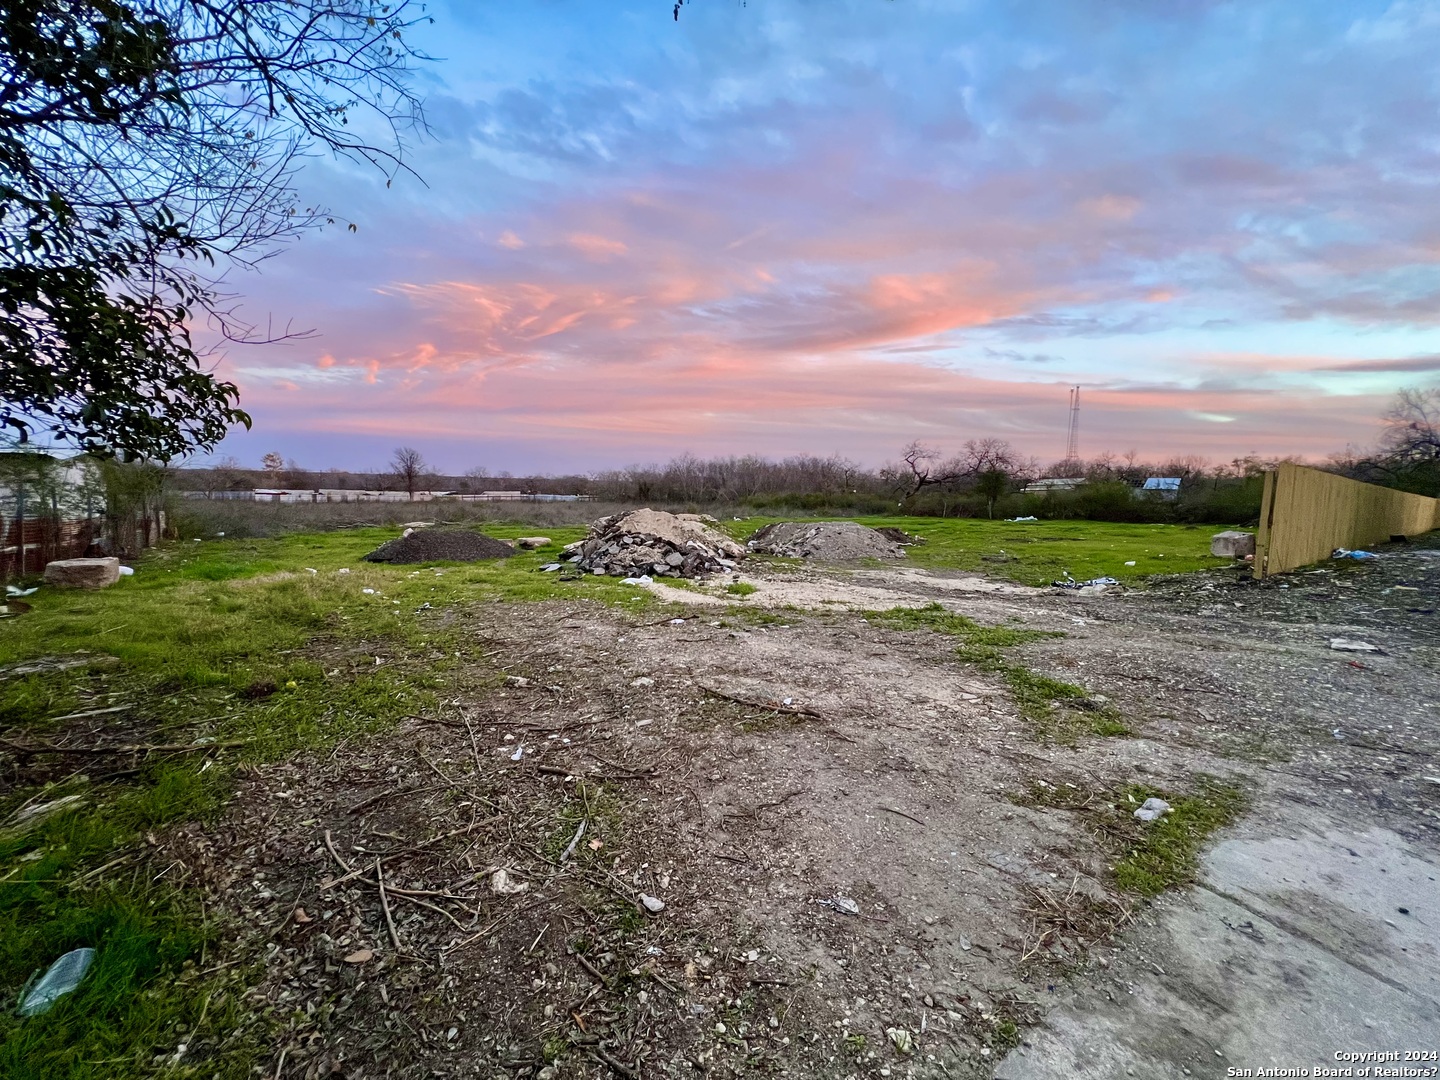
(195, 628)
(1039, 552)
(1152, 856)
(740, 588)
(1164, 854)
(1036, 695)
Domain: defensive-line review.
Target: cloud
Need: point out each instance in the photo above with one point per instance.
(1409, 363)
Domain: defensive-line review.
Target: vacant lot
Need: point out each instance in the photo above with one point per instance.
(330, 818)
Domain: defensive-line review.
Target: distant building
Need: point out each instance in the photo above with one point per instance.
(1054, 483)
(1162, 487)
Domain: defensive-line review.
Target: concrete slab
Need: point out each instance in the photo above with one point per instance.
(1292, 949)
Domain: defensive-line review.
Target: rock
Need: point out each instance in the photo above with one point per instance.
(530, 543)
(1152, 809)
(1232, 544)
(83, 573)
(653, 904)
(360, 956)
(516, 680)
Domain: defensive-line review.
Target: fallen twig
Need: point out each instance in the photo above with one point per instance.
(385, 906)
(593, 970)
(902, 813)
(619, 1066)
(773, 706)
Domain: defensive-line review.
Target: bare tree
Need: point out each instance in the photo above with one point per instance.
(408, 466)
(979, 456)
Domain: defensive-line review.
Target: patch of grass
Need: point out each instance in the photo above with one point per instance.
(1163, 854)
(740, 588)
(1039, 552)
(1153, 856)
(1036, 695)
(196, 630)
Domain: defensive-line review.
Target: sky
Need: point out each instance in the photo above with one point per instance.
(837, 226)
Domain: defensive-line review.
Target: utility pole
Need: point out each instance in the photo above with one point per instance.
(1072, 440)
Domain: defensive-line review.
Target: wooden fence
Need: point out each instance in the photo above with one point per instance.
(1305, 514)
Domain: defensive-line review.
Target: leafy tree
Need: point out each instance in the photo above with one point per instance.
(146, 146)
(990, 486)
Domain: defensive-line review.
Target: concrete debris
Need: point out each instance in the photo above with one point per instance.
(1093, 585)
(1232, 544)
(1152, 809)
(642, 543)
(83, 573)
(653, 904)
(530, 543)
(826, 541)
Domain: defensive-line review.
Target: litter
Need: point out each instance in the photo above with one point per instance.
(1071, 583)
(1341, 553)
(368, 592)
(550, 568)
(1130, 563)
(501, 883)
(643, 579)
(844, 905)
(1340, 644)
(1030, 518)
(126, 571)
(63, 976)
(14, 591)
(1152, 809)
(902, 1040)
(518, 754)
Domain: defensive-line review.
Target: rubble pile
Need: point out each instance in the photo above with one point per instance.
(825, 541)
(655, 543)
(436, 545)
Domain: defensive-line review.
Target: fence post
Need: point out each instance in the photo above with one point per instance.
(1267, 521)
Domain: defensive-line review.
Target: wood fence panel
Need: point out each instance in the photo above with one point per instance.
(1305, 514)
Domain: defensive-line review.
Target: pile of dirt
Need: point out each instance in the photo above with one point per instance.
(656, 543)
(430, 545)
(825, 541)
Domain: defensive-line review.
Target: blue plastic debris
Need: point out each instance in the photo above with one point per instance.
(63, 977)
(1341, 553)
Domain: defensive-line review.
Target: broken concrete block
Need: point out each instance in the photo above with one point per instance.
(1232, 544)
(83, 573)
(532, 542)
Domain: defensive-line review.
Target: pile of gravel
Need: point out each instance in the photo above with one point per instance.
(824, 541)
(656, 543)
(432, 545)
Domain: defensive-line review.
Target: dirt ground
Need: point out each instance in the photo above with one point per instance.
(833, 814)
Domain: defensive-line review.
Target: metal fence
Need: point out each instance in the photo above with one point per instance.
(1306, 514)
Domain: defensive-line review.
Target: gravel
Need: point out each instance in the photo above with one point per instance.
(431, 545)
(826, 541)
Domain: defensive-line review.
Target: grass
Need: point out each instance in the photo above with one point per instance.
(1150, 857)
(1035, 694)
(1039, 552)
(224, 640)
(1165, 853)
(740, 588)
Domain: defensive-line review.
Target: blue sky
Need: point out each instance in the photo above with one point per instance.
(791, 226)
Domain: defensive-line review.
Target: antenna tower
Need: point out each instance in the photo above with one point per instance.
(1072, 439)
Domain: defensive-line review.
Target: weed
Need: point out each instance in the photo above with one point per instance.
(740, 588)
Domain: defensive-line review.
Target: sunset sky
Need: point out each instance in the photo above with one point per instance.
(839, 225)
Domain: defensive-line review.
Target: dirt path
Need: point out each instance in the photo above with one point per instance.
(828, 811)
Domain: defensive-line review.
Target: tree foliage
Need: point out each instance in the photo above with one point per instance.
(145, 149)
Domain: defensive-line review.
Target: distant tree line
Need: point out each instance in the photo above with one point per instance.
(984, 477)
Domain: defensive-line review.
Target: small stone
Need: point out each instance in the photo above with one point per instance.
(653, 904)
(360, 956)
